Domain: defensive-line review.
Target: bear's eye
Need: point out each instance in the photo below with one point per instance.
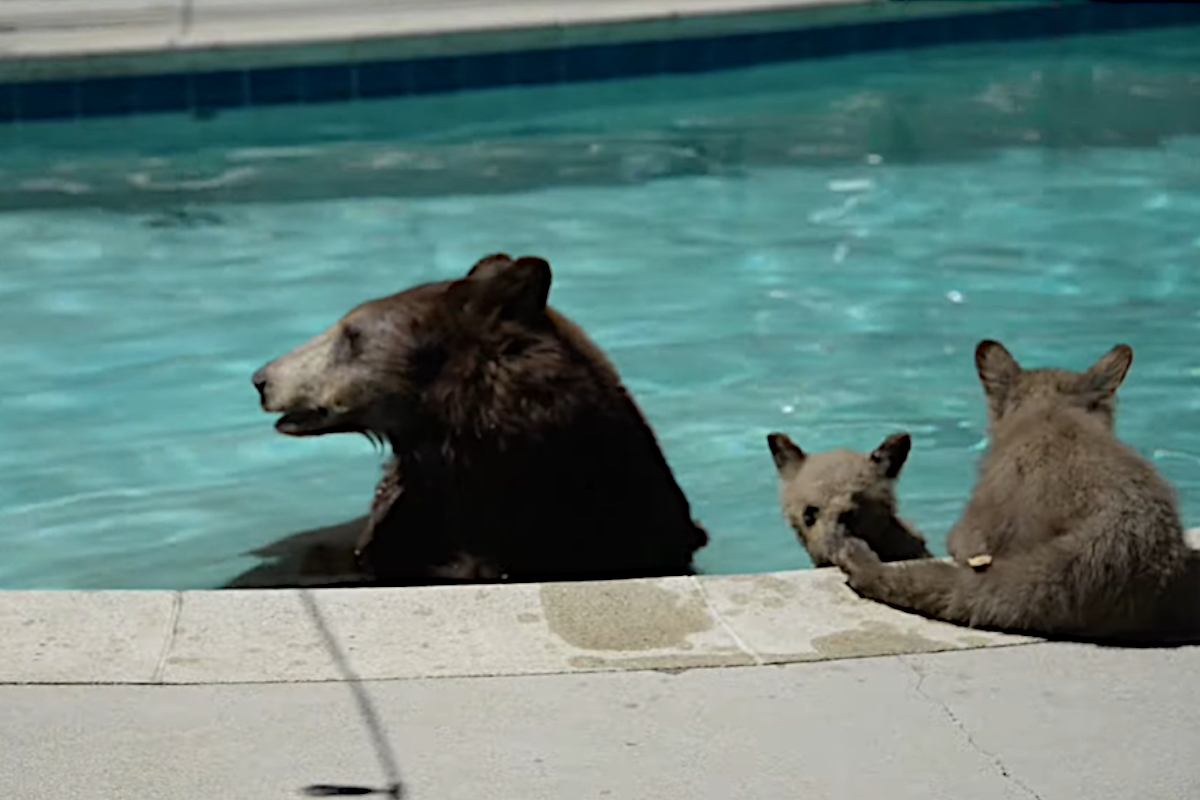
(352, 341)
(427, 363)
(810, 516)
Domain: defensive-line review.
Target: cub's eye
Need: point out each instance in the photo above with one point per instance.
(810, 516)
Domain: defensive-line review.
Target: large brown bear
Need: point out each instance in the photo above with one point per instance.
(517, 452)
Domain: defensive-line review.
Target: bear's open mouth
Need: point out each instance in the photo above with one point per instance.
(304, 423)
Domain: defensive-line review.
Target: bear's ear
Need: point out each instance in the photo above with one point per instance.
(517, 290)
(787, 454)
(998, 370)
(890, 456)
(1107, 374)
(488, 265)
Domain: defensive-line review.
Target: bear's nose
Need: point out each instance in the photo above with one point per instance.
(260, 383)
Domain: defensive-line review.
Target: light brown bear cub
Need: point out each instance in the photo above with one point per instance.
(1071, 531)
(827, 496)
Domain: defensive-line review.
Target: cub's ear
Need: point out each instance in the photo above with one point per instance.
(890, 456)
(997, 369)
(1107, 374)
(787, 454)
(489, 265)
(516, 290)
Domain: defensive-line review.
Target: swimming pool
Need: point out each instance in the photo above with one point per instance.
(810, 247)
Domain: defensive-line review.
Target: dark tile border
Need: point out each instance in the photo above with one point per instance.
(206, 92)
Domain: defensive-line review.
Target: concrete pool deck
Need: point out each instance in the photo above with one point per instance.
(605, 690)
(489, 630)
(1039, 722)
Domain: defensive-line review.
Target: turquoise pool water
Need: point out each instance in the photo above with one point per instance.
(812, 248)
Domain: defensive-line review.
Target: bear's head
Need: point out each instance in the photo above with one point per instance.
(827, 496)
(1011, 389)
(398, 365)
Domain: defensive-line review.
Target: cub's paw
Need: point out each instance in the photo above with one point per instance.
(855, 557)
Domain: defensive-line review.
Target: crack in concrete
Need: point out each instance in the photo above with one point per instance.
(724, 623)
(169, 639)
(957, 723)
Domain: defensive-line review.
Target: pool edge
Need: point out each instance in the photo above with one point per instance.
(489, 630)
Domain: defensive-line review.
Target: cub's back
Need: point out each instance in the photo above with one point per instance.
(1059, 468)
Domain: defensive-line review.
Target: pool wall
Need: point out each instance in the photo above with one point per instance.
(62, 59)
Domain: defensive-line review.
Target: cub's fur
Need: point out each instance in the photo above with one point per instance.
(1084, 536)
(827, 496)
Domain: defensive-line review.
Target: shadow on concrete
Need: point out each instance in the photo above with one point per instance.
(383, 748)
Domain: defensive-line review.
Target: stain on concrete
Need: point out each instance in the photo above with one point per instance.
(625, 615)
(528, 618)
(763, 591)
(772, 584)
(874, 638)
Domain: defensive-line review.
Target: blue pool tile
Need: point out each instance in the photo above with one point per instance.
(1116, 16)
(535, 67)
(1061, 24)
(757, 48)
(483, 71)
(47, 100)
(646, 58)
(785, 45)
(604, 62)
(8, 103)
(327, 82)
(1006, 26)
(433, 75)
(108, 97)
(275, 86)
(731, 52)
(835, 41)
(1119, 16)
(588, 64)
(921, 33)
(890, 36)
(212, 90)
(161, 93)
(384, 78)
(685, 55)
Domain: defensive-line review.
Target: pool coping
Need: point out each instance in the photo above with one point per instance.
(299, 636)
(140, 35)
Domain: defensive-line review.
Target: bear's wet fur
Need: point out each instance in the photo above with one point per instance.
(517, 452)
(1068, 533)
(827, 496)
